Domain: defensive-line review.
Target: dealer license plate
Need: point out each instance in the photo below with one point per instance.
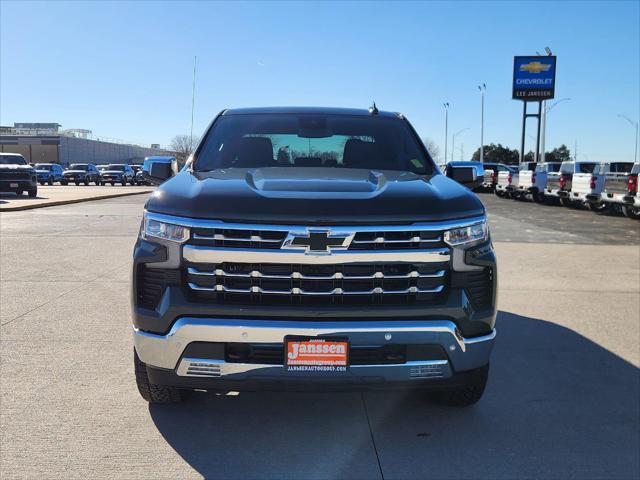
(305, 354)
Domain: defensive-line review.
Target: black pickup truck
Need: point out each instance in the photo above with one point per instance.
(16, 175)
(313, 248)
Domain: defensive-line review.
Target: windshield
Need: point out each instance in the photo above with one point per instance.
(119, 168)
(78, 166)
(43, 166)
(310, 140)
(12, 160)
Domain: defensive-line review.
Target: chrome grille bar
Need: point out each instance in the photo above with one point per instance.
(252, 238)
(217, 255)
(297, 275)
(299, 291)
(416, 239)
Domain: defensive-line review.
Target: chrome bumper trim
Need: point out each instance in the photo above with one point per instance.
(198, 254)
(164, 351)
(214, 368)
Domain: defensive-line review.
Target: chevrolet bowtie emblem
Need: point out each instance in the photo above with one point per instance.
(535, 67)
(317, 241)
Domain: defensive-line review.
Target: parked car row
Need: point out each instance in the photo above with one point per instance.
(598, 186)
(86, 173)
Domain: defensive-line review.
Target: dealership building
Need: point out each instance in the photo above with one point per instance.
(46, 143)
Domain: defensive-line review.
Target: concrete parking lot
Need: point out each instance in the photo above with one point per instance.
(64, 194)
(562, 399)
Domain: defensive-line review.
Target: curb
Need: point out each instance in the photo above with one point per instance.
(68, 202)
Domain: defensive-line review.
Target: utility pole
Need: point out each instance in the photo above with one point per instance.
(453, 141)
(543, 120)
(635, 125)
(482, 88)
(446, 128)
(193, 101)
(575, 150)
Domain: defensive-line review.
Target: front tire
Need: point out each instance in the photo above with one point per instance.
(64, 182)
(150, 392)
(467, 394)
(631, 212)
(33, 192)
(50, 181)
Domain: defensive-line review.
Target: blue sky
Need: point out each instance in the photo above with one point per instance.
(124, 70)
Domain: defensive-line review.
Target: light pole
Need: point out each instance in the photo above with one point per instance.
(446, 128)
(453, 141)
(543, 127)
(482, 88)
(635, 125)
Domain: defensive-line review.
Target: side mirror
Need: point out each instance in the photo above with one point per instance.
(159, 172)
(467, 176)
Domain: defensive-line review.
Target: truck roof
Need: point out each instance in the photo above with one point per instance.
(311, 110)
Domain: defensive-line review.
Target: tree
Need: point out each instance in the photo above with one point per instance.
(182, 146)
(497, 154)
(559, 154)
(432, 148)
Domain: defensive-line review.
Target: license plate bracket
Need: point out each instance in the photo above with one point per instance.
(316, 354)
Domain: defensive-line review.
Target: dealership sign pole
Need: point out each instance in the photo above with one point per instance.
(534, 80)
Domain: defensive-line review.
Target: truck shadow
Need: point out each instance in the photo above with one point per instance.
(557, 405)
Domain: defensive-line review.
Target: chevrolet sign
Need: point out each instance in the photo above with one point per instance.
(534, 78)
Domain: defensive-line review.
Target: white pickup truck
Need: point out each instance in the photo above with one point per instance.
(621, 188)
(559, 183)
(509, 181)
(586, 188)
(534, 179)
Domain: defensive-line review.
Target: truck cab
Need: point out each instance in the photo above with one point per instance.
(303, 248)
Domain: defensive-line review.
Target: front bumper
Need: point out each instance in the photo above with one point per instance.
(163, 354)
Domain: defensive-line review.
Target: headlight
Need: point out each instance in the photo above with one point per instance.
(165, 231)
(475, 233)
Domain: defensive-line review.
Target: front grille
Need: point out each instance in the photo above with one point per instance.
(227, 238)
(8, 176)
(301, 284)
(151, 283)
(396, 240)
(273, 239)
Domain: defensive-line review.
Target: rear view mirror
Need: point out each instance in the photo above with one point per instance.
(467, 176)
(159, 171)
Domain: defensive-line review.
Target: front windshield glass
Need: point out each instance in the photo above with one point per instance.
(119, 168)
(78, 166)
(43, 166)
(310, 140)
(12, 160)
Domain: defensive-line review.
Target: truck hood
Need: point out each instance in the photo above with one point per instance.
(15, 168)
(313, 196)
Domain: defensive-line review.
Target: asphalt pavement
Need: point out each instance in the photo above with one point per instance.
(562, 399)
